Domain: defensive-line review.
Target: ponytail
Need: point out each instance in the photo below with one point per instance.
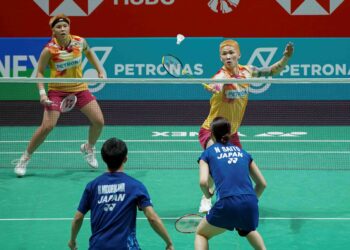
(221, 130)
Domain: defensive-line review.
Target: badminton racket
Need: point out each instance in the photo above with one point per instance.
(68, 103)
(188, 223)
(175, 68)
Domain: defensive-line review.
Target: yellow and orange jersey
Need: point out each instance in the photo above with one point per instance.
(67, 63)
(231, 100)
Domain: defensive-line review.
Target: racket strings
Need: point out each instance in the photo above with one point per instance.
(188, 223)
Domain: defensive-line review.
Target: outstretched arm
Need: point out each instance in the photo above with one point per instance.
(276, 68)
(158, 226)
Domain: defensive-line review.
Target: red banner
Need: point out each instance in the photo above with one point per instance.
(166, 18)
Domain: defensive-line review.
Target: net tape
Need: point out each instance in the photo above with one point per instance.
(177, 80)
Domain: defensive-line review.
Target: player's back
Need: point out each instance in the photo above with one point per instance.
(114, 201)
(229, 167)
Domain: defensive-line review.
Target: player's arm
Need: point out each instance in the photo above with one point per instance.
(42, 64)
(76, 225)
(157, 225)
(276, 68)
(90, 55)
(258, 178)
(204, 182)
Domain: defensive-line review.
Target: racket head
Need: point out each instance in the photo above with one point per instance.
(68, 103)
(188, 223)
(172, 65)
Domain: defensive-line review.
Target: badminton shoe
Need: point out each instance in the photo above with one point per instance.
(205, 205)
(89, 155)
(21, 166)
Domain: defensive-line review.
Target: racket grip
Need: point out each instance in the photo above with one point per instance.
(206, 86)
(209, 88)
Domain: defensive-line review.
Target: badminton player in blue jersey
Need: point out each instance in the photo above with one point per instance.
(113, 199)
(236, 207)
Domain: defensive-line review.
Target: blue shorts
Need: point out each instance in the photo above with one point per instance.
(235, 212)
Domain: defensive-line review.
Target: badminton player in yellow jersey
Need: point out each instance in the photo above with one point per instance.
(63, 55)
(230, 100)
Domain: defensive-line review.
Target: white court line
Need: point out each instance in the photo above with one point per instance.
(187, 152)
(176, 140)
(174, 218)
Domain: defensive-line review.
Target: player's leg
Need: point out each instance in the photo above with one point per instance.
(90, 108)
(256, 241)
(93, 112)
(49, 121)
(204, 232)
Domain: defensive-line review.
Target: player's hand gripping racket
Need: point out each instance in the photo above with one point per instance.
(188, 223)
(68, 103)
(175, 68)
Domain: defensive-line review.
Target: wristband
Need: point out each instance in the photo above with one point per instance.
(42, 92)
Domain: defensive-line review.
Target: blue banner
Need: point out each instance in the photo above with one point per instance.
(141, 58)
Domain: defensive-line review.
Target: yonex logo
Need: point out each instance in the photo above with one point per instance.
(281, 134)
(232, 160)
(264, 57)
(68, 7)
(109, 207)
(223, 6)
(310, 7)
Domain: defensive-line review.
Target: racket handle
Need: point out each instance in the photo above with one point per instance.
(209, 88)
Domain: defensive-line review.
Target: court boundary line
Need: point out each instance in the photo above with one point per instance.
(188, 152)
(180, 140)
(175, 218)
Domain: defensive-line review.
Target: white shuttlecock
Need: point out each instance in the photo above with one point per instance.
(179, 38)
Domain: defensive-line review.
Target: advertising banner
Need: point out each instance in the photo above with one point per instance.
(141, 58)
(166, 18)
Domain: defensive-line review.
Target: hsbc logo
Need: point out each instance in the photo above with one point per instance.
(223, 6)
(68, 7)
(310, 7)
(86, 7)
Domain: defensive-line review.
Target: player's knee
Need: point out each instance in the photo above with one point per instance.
(47, 128)
(99, 123)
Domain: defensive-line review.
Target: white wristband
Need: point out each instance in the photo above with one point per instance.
(42, 92)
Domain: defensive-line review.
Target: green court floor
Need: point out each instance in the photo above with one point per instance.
(306, 204)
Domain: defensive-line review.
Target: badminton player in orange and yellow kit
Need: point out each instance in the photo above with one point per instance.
(63, 54)
(230, 100)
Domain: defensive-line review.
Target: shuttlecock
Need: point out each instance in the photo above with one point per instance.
(179, 38)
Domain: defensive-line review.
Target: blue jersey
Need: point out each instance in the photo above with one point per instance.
(229, 168)
(113, 199)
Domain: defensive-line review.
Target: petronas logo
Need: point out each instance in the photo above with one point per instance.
(223, 6)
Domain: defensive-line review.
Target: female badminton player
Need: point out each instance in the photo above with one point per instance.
(236, 207)
(230, 100)
(63, 54)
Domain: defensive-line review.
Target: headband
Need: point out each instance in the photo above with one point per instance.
(61, 19)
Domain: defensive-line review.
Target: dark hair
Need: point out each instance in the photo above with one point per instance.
(113, 153)
(221, 130)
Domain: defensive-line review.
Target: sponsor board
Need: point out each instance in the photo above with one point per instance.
(166, 18)
(141, 58)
